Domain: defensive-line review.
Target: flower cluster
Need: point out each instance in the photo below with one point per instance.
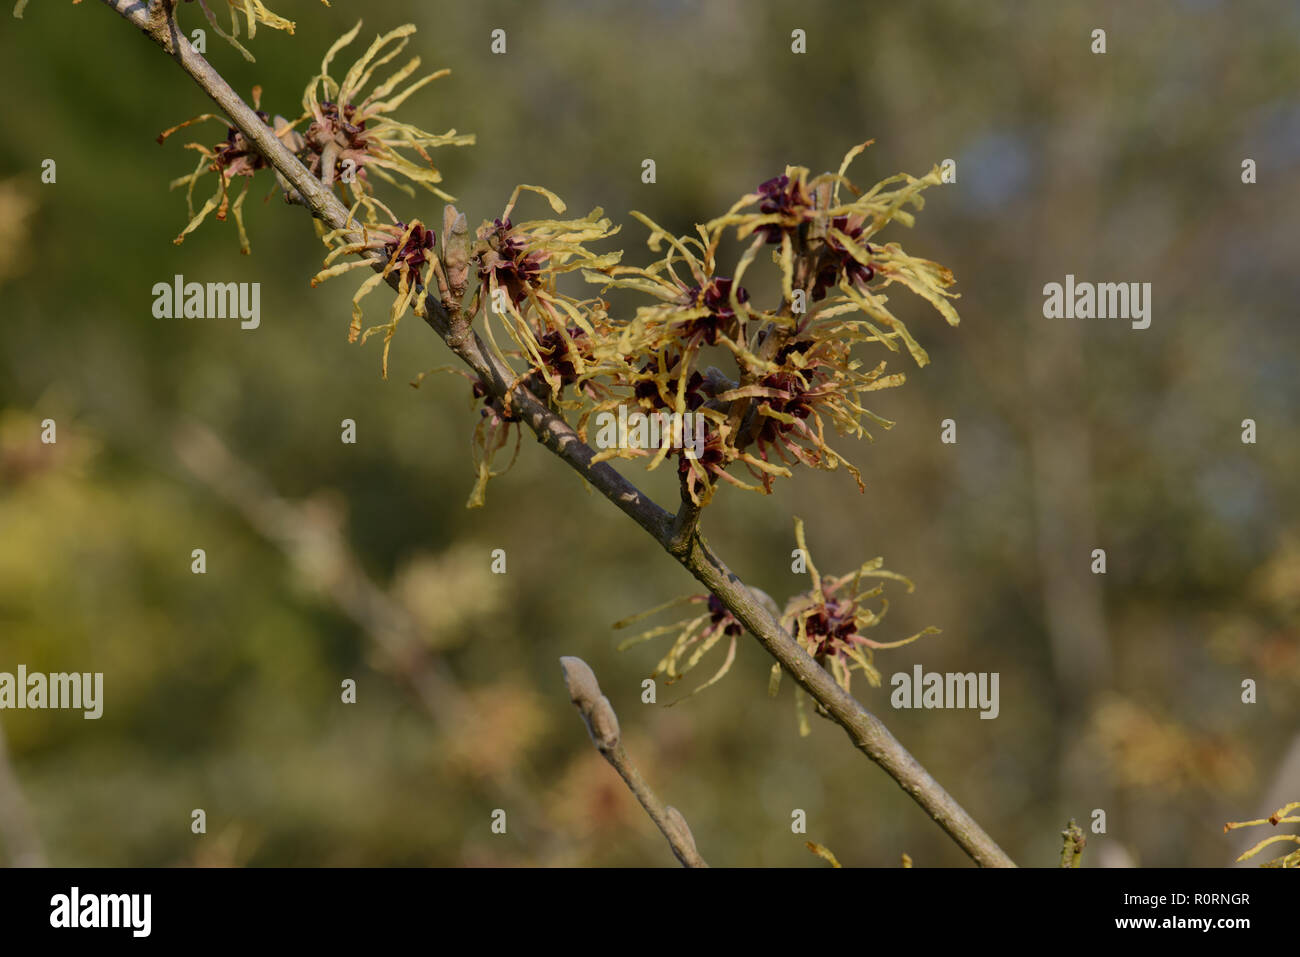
(719, 318)
(570, 345)
(795, 379)
(351, 139)
(567, 346)
(838, 260)
(507, 263)
(345, 137)
(830, 621)
(772, 384)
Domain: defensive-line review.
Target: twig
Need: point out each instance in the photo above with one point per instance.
(684, 527)
(1072, 849)
(602, 725)
(824, 852)
(866, 731)
(320, 553)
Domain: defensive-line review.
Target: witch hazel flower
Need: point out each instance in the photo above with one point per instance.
(787, 201)
(506, 263)
(832, 620)
(565, 341)
(351, 137)
(232, 159)
(837, 262)
(720, 318)
(407, 250)
(694, 637)
(346, 137)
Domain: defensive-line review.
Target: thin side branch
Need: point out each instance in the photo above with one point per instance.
(1072, 849)
(602, 725)
(678, 537)
(310, 537)
(685, 525)
(313, 541)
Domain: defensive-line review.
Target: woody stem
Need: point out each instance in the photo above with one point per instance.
(676, 536)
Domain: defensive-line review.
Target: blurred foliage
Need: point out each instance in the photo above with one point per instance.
(222, 690)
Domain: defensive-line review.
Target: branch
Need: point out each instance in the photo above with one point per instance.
(602, 725)
(684, 528)
(678, 537)
(311, 537)
(868, 734)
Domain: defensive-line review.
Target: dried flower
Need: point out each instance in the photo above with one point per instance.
(491, 435)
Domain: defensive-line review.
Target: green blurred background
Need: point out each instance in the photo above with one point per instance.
(328, 561)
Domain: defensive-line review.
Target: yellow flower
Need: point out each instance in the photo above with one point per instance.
(351, 137)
